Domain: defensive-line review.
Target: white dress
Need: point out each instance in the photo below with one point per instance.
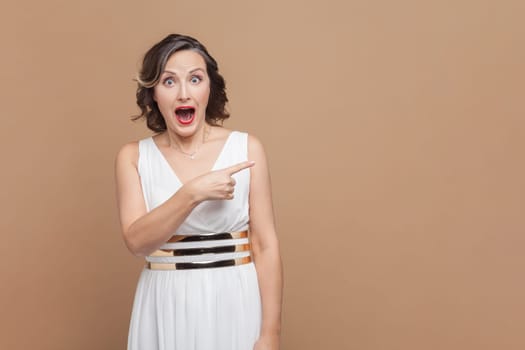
(199, 309)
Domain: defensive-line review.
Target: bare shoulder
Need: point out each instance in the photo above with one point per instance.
(255, 147)
(128, 153)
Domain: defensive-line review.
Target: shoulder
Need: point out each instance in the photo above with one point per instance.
(260, 172)
(254, 144)
(128, 153)
(255, 148)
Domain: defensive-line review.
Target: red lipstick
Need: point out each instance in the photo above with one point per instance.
(185, 114)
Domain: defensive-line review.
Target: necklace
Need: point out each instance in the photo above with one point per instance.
(192, 154)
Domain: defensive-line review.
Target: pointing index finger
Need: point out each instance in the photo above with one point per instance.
(238, 167)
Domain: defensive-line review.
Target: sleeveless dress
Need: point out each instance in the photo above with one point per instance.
(215, 308)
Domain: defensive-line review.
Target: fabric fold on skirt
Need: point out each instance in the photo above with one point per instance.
(201, 309)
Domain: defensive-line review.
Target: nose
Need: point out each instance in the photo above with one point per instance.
(183, 93)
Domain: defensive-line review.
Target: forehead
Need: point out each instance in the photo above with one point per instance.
(184, 61)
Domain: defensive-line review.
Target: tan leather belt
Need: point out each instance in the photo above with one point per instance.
(208, 237)
(200, 251)
(196, 251)
(198, 265)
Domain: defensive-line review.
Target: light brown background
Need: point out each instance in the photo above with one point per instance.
(395, 135)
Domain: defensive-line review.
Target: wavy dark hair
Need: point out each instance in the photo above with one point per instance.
(152, 67)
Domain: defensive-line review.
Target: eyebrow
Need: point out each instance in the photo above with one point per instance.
(191, 71)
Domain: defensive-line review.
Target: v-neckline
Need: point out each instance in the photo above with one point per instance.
(174, 173)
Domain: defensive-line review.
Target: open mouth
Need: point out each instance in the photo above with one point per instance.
(185, 114)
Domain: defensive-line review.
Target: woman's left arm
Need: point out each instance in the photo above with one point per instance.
(265, 246)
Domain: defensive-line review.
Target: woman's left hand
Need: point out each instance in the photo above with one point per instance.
(267, 343)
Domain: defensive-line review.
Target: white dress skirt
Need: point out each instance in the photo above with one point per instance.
(211, 308)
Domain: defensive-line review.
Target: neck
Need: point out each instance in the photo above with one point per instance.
(189, 143)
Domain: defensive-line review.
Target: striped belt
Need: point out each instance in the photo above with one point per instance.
(208, 250)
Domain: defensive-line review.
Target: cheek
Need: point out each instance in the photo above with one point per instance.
(161, 98)
(204, 95)
(163, 105)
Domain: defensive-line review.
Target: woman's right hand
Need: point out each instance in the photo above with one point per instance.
(216, 184)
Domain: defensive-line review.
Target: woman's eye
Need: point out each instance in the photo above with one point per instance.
(169, 81)
(195, 79)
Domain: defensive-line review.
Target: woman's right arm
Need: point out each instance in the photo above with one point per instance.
(143, 231)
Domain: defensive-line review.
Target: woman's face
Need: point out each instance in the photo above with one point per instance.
(182, 92)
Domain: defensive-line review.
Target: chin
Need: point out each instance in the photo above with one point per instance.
(186, 130)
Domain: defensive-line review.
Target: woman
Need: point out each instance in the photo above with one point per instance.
(195, 200)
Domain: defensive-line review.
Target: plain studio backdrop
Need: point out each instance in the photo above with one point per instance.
(395, 136)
